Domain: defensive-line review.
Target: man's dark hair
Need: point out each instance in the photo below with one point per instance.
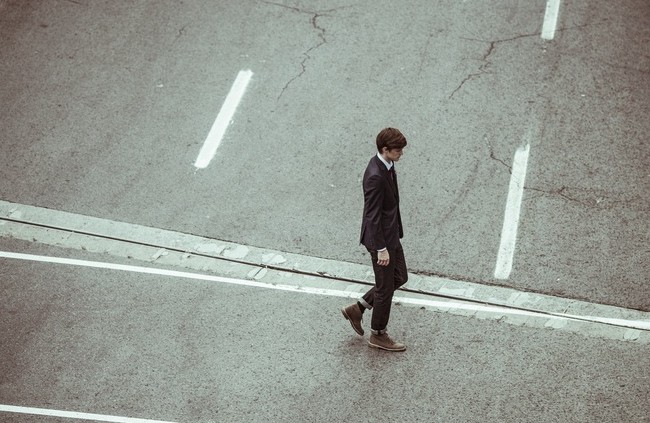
(390, 138)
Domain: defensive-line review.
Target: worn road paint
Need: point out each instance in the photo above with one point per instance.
(511, 217)
(550, 19)
(224, 117)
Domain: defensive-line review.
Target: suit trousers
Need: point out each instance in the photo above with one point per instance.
(387, 280)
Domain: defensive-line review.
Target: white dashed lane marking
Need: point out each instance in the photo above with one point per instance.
(511, 217)
(224, 117)
(550, 19)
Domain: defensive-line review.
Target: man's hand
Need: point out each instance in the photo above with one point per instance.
(383, 258)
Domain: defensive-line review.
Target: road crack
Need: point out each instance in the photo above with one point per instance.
(592, 198)
(483, 68)
(320, 33)
(494, 157)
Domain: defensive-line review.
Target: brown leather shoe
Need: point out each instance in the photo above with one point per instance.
(384, 342)
(354, 315)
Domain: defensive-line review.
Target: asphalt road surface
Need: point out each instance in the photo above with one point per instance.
(106, 106)
(158, 347)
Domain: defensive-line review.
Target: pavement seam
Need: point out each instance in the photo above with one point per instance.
(173, 248)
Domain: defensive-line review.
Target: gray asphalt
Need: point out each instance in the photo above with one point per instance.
(155, 347)
(107, 104)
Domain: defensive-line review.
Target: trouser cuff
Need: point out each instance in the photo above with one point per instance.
(378, 332)
(365, 304)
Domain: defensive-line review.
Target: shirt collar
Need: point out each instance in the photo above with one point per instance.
(388, 165)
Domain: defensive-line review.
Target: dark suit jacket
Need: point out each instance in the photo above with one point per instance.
(381, 225)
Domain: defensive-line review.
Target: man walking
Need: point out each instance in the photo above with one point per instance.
(381, 231)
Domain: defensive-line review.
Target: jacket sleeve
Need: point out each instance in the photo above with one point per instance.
(374, 198)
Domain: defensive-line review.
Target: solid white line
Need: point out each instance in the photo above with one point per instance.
(445, 305)
(172, 273)
(135, 269)
(74, 415)
(224, 117)
(550, 19)
(511, 217)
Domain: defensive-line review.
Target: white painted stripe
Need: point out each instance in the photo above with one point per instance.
(74, 415)
(445, 305)
(550, 19)
(224, 117)
(511, 217)
(135, 269)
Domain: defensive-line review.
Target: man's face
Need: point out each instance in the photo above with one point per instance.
(393, 155)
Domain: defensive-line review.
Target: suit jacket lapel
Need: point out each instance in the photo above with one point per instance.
(391, 183)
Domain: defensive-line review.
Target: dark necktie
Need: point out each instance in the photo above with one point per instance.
(393, 178)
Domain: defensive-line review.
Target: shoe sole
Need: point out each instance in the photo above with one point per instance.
(371, 345)
(345, 314)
